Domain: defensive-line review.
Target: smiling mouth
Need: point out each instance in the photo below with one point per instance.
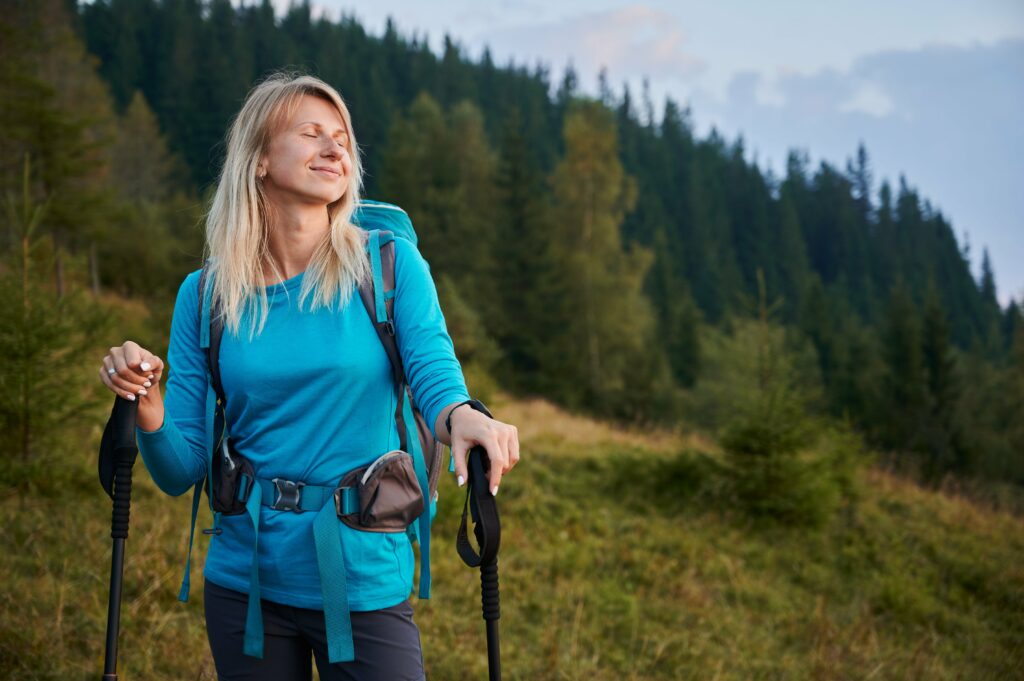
(328, 171)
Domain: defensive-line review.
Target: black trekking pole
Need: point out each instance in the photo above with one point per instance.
(118, 451)
(487, 528)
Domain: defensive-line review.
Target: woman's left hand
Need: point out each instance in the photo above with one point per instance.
(501, 440)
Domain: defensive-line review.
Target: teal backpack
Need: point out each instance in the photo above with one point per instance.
(239, 491)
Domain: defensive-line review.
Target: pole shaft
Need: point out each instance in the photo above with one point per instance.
(493, 651)
(119, 532)
(114, 609)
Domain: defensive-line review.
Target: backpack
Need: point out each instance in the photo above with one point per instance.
(383, 222)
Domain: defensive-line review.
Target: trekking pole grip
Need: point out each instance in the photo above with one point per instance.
(489, 591)
(122, 499)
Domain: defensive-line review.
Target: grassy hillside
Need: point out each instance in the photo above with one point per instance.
(621, 559)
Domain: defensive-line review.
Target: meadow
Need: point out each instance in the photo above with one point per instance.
(621, 558)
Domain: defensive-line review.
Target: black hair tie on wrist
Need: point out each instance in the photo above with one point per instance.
(474, 404)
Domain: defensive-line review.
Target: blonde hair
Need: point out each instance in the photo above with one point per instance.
(238, 218)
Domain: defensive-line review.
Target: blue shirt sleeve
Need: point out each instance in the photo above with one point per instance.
(174, 453)
(428, 355)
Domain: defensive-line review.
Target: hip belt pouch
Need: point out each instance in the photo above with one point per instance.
(228, 467)
(390, 496)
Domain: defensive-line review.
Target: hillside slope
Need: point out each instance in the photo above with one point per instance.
(619, 560)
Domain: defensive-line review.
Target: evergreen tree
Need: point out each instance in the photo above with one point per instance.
(141, 165)
(442, 172)
(944, 451)
(987, 282)
(903, 402)
(42, 339)
(530, 306)
(678, 316)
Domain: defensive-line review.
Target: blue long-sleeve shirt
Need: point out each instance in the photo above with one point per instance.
(309, 399)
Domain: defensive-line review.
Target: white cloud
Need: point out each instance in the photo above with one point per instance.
(869, 98)
(632, 41)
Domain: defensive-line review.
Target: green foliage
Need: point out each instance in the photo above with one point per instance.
(693, 223)
(476, 350)
(780, 466)
(530, 304)
(440, 169)
(43, 337)
(607, 346)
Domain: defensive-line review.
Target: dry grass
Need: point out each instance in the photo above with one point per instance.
(617, 563)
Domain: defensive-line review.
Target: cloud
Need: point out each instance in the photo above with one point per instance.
(632, 41)
(947, 117)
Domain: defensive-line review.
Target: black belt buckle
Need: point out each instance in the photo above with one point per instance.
(288, 495)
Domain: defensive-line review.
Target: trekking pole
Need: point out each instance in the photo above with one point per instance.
(487, 528)
(117, 456)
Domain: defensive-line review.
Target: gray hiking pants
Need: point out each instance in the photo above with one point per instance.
(387, 642)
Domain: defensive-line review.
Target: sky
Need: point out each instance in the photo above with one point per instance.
(934, 89)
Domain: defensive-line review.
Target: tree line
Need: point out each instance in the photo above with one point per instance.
(587, 249)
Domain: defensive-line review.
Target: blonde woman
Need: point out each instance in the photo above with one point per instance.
(308, 387)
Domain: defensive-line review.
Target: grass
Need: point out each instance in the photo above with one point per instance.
(621, 558)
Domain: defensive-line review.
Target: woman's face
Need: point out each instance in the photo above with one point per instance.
(308, 161)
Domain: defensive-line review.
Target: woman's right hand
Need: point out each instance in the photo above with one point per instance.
(132, 372)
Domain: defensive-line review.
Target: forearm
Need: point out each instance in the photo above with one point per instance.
(170, 459)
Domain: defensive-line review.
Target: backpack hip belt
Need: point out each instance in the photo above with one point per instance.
(383, 496)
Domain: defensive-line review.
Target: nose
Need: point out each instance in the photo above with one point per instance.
(332, 149)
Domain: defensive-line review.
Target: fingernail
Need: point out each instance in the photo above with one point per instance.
(462, 481)
(131, 397)
(147, 384)
(151, 376)
(142, 391)
(146, 366)
(494, 491)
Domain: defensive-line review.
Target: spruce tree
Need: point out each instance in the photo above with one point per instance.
(943, 449)
(903, 402)
(529, 306)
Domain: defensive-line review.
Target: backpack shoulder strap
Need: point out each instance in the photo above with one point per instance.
(211, 328)
(378, 295)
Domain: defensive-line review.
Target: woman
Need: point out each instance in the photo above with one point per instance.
(308, 388)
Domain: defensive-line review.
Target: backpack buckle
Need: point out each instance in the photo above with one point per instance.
(289, 494)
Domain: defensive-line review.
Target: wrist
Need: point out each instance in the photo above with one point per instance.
(470, 404)
(150, 417)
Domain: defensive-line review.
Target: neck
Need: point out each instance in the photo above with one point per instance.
(293, 233)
